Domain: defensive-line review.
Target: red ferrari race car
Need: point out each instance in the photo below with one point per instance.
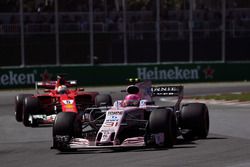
(135, 121)
(58, 96)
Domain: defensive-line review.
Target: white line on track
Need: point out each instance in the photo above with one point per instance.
(215, 102)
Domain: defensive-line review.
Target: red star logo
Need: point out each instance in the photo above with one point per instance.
(45, 76)
(209, 72)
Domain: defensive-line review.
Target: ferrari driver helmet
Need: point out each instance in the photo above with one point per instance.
(131, 100)
(62, 89)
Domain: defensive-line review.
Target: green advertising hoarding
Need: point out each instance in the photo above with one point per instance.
(117, 75)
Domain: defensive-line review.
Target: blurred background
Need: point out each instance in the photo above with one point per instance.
(91, 32)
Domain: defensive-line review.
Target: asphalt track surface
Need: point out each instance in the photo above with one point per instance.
(227, 145)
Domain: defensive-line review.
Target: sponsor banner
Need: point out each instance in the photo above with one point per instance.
(170, 74)
(117, 75)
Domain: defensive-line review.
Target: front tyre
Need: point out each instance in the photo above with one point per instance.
(67, 125)
(19, 102)
(30, 108)
(163, 121)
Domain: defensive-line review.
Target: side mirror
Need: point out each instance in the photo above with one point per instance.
(81, 89)
(47, 90)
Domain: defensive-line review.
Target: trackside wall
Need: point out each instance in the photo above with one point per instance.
(117, 75)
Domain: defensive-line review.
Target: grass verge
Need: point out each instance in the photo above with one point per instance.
(239, 96)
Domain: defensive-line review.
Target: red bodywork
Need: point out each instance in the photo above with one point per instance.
(50, 102)
(69, 102)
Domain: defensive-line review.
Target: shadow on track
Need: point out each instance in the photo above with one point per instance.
(180, 144)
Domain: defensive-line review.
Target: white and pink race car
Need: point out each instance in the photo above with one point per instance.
(135, 121)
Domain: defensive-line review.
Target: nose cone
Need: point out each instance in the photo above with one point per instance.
(105, 138)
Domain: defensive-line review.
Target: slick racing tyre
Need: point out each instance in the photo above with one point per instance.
(19, 101)
(194, 119)
(103, 99)
(30, 108)
(66, 126)
(163, 121)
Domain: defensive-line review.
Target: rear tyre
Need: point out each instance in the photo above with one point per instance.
(163, 121)
(19, 101)
(194, 119)
(30, 108)
(66, 126)
(103, 99)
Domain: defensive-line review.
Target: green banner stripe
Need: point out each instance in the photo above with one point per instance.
(116, 75)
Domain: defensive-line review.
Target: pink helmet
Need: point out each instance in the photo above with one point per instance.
(131, 100)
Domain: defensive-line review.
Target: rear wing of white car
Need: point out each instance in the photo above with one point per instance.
(167, 91)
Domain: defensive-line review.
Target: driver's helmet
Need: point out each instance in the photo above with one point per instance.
(62, 89)
(131, 100)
